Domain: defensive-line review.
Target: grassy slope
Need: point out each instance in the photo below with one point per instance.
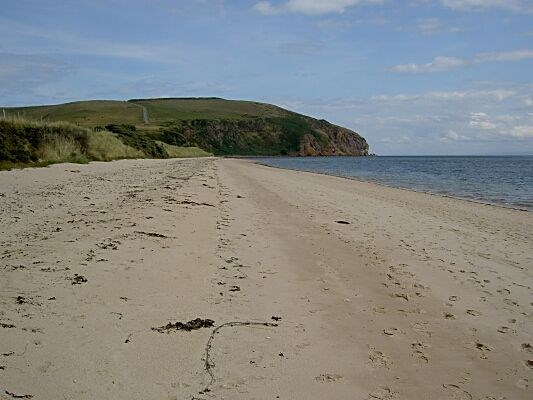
(161, 110)
(103, 112)
(85, 113)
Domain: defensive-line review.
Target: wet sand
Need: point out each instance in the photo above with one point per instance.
(318, 287)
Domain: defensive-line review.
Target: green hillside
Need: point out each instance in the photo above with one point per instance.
(218, 126)
(161, 110)
(85, 113)
(103, 112)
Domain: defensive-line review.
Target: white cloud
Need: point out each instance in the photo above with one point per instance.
(442, 63)
(310, 7)
(403, 139)
(432, 26)
(478, 5)
(514, 55)
(64, 42)
(452, 136)
(497, 95)
(490, 119)
(521, 131)
(264, 7)
(480, 120)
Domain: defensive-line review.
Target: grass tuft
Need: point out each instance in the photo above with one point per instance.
(58, 148)
(106, 146)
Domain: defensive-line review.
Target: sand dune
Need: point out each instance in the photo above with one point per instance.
(317, 287)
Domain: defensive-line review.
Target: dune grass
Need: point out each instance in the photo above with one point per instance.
(183, 152)
(26, 142)
(106, 146)
(30, 143)
(58, 148)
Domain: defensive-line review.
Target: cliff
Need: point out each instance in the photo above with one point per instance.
(295, 135)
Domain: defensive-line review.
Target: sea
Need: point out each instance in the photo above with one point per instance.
(505, 181)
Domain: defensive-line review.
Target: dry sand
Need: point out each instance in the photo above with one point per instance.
(415, 297)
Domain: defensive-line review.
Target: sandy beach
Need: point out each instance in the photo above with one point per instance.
(318, 287)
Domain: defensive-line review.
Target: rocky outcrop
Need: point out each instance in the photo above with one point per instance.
(338, 141)
(295, 135)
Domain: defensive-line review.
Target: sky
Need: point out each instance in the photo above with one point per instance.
(414, 77)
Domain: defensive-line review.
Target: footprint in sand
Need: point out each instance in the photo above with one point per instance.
(421, 327)
(391, 331)
(527, 347)
(510, 302)
(378, 359)
(420, 357)
(402, 296)
(456, 392)
(482, 347)
(325, 378)
(383, 393)
(474, 313)
(448, 315)
(523, 383)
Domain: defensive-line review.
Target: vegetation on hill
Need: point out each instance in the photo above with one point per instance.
(25, 142)
(84, 113)
(149, 127)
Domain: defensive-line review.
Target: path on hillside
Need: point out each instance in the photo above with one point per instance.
(146, 119)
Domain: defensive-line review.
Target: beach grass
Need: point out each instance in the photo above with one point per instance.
(106, 146)
(35, 143)
(183, 152)
(26, 142)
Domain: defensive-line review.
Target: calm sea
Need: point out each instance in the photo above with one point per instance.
(505, 181)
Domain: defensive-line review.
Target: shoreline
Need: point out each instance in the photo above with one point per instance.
(357, 179)
(306, 286)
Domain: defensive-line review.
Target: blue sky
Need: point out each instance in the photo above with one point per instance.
(413, 77)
